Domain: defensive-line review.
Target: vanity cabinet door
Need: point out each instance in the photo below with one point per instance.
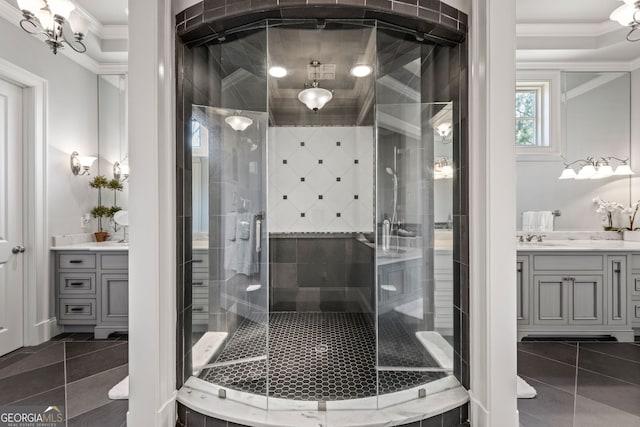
(550, 300)
(522, 290)
(115, 298)
(585, 300)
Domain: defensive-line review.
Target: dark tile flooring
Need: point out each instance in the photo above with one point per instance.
(580, 384)
(71, 370)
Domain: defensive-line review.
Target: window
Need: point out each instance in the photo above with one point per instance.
(196, 134)
(528, 118)
(537, 110)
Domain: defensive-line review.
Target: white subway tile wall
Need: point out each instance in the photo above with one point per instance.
(321, 179)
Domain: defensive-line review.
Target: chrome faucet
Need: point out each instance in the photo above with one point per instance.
(530, 237)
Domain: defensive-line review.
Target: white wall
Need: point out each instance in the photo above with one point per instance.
(635, 133)
(595, 124)
(72, 123)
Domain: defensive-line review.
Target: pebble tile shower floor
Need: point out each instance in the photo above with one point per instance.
(320, 356)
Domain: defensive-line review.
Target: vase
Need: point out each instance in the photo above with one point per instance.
(101, 236)
(632, 236)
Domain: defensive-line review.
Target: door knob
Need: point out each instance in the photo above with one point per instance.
(18, 249)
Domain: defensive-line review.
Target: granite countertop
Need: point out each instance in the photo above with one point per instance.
(579, 246)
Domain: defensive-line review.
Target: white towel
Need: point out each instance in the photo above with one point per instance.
(545, 221)
(230, 226)
(529, 221)
(239, 254)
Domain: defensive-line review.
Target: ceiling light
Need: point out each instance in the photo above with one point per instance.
(628, 15)
(361, 70)
(277, 72)
(315, 97)
(50, 18)
(444, 129)
(238, 122)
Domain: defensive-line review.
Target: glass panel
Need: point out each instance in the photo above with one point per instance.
(414, 256)
(230, 247)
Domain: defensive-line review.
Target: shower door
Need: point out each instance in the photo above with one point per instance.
(229, 153)
(410, 352)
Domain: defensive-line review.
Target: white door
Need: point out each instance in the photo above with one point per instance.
(11, 213)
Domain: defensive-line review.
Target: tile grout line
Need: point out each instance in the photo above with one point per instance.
(547, 358)
(66, 406)
(575, 392)
(612, 355)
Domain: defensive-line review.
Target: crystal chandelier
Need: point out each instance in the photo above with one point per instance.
(315, 97)
(53, 19)
(628, 15)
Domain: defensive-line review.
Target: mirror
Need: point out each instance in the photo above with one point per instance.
(596, 118)
(112, 134)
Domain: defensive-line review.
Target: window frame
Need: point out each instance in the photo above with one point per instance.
(547, 85)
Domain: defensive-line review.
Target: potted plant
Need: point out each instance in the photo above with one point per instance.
(629, 232)
(101, 211)
(606, 209)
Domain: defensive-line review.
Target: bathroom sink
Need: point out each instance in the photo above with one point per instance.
(550, 244)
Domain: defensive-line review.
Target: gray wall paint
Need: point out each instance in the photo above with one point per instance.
(596, 123)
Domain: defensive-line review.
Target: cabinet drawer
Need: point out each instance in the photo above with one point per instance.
(635, 313)
(200, 307)
(76, 283)
(79, 261)
(200, 260)
(200, 291)
(635, 262)
(74, 310)
(114, 261)
(568, 262)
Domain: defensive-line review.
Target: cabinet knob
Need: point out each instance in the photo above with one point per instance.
(18, 249)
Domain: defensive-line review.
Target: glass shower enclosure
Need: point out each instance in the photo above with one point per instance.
(322, 263)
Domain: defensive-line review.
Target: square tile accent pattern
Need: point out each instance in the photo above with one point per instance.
(318, 171)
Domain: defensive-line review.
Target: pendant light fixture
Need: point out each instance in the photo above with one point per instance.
(315, 97)
(628, 15)
(238, 122)
(54, 20)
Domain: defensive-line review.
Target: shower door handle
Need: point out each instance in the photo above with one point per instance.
(258, 235)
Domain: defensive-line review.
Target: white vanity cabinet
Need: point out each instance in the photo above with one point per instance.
(92, 291)
(574, 294)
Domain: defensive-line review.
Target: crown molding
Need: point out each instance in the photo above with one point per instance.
(113, 68)
(567, 29)
(579, 66)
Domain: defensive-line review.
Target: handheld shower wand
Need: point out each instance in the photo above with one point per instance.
(394, 216)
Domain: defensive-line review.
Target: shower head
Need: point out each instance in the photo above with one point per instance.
(391, 172)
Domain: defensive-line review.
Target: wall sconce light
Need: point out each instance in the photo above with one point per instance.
(81, 163)
(596, 169)
(442, 169)
(444, 130)
(121, 170)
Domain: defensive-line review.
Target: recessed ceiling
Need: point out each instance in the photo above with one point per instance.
(567, 11)
(111, 12)
(572, 31)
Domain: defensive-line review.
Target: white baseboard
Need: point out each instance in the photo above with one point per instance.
(478, 415)
(44, 331)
